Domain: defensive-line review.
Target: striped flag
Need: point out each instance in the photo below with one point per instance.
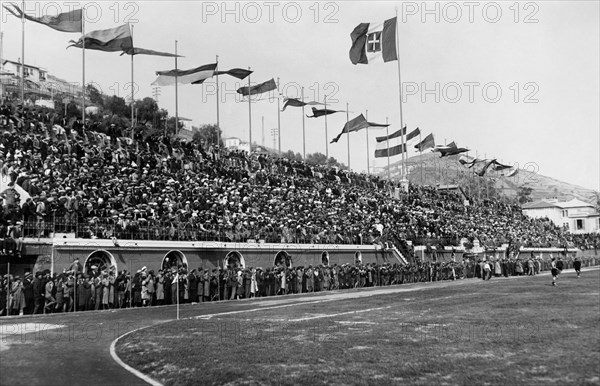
(395, 143)
(374, 42)
(195, 75)
(109, 40)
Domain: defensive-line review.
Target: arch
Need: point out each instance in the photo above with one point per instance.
(101, 259)
(234, 259)
(283, 258)
(174, 258)
(357, 258)
(325, 258)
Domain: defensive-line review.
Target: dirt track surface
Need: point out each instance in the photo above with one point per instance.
(74, 349)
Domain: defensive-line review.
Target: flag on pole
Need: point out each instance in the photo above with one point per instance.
(373, 42)
(195, 75)
(143, 51)
(294, 102)
(450, 149)
(239, 73)
(427, 143)
(498, 166)
(264, 87)
(64, 22)
(109, 40)
(485, 167)
(321, 112)
(395, 143)
(357, 124)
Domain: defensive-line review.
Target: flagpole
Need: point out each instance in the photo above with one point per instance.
(83, 65)
(278, 120)
(367, 131)
(326, 135)
(218, 123)
(23, 54)
(348, 133)
(176, 96)
(403, 180)
(132, 87)
(303, 129)
(420, 156)
(387, 132)
(250, 117)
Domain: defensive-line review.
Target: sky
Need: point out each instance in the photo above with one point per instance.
(514, 81)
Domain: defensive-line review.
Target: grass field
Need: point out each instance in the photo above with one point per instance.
(504, 332)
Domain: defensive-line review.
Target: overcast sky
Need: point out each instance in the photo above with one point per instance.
(516, 82)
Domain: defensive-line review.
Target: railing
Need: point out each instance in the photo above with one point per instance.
(173, 231)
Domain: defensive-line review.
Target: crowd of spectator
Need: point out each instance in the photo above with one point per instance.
(74, 290)
(96, 183)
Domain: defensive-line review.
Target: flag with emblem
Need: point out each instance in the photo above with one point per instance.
(374, 42)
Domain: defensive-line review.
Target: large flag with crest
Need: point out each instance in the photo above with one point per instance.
(374, 42)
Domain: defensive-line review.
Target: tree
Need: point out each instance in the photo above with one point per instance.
(94, 95)
(117, 106)
(524, 194)
(321, 159)
(208, 134)
(147, 110)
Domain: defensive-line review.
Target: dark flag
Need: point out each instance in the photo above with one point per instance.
(499, 166)
(143, 51)
(321, 112)
(426, 143)
(109, 40)
(297, 103)
(264, 87)
(357, 124)
(239, 73)
(64, 22)
(481, 173)
(393, 135)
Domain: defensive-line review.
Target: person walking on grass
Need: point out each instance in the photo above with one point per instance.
(554, 271)
(577, 266)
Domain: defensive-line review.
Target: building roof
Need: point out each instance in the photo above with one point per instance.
(18, 64)
(540, 205)
(574, 203)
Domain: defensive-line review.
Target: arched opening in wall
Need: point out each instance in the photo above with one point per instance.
(234, 259)
(283, 259)
(357, 258)
(325, 258)
(101, 260)
(174, 259)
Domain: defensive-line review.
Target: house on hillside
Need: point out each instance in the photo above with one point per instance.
(234, 143)
(575, 215)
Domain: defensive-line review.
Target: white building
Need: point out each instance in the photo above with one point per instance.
(234, 143)
(38, 83)
(576, 216)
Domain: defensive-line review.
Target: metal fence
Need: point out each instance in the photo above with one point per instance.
(107, 228)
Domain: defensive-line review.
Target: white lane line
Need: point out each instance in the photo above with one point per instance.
(208, 316)
(133, 371)
(338, 314)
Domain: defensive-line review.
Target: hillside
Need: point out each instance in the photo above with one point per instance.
(448, 171)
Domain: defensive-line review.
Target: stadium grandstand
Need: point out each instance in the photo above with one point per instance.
(111, 220)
